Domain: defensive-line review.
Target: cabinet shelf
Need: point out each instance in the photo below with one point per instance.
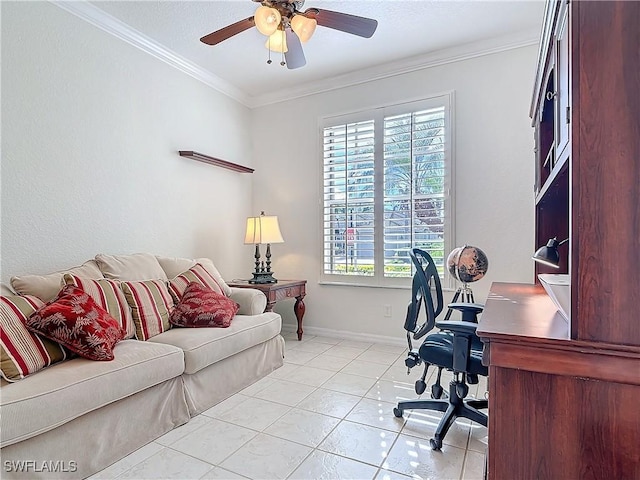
(201, 157)
(552, 180)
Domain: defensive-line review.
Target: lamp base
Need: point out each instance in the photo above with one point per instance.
(263, 277)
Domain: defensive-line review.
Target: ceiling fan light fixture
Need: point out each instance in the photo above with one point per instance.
(303, 27)
(277, 42)
(267, 20)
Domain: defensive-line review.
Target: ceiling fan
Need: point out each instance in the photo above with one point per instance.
(287, 27)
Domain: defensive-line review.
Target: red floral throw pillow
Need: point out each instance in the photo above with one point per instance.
(76, 321)
(202, 307)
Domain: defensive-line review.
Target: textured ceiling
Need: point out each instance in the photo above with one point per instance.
(407, 30)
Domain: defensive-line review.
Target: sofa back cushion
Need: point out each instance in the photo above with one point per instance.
(22, 352)
(151, 304)
(5, 289)
(108, 294)
(135, 267)
(46, 287)
(174, 266)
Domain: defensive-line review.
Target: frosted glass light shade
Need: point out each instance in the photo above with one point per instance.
(267, 20)
(277, 42)
(263, 229)
(304, 27)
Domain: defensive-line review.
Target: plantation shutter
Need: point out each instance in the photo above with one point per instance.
(414, 188)
(348, 182)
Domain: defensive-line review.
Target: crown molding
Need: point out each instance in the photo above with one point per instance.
(101, 19)
(400, 67)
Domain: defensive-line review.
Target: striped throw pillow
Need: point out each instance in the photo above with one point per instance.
(108, 295)
(151, 306)
(22, 352)
(197, 274)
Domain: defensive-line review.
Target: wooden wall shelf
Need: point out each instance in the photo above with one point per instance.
(201, 157)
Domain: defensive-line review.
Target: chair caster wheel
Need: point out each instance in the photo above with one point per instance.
(436, 391)
(435, 444)
(421, 386)
(397, 412)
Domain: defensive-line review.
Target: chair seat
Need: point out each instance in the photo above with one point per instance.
(437, 349)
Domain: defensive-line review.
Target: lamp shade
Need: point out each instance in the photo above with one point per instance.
(548, 255)
(267, 20)
(304, 27)
(277, 42)
(263, 229)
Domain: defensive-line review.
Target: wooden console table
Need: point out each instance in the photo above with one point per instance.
(279, 291)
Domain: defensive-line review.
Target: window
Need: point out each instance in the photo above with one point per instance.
(386, 181)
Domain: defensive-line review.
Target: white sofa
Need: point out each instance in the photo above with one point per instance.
(75, 418)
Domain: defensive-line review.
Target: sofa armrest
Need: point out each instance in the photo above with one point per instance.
(251, 301)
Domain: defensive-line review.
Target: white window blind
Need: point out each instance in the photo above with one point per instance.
(349, 199)
(414, 188)
(386, 186)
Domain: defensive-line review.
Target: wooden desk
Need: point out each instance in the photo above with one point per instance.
(559, 408)
(279, 291)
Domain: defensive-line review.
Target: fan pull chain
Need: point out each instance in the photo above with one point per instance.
(282, 50)
(269, 60)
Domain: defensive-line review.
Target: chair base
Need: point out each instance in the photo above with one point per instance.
(453, 407)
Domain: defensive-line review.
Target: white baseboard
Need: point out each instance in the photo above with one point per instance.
(400, 340)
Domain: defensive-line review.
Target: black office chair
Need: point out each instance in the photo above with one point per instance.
(455, 347)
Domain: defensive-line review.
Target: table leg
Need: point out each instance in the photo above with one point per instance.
(269, 307)
(299, 309)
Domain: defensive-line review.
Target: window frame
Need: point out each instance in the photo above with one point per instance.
(378, 114)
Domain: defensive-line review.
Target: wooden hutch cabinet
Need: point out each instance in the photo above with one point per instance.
(564, 396)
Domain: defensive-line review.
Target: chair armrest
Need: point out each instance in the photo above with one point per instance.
(469, 311)
(251, 300)
(461, 327)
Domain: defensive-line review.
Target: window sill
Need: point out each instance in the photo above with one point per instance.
(366, 285)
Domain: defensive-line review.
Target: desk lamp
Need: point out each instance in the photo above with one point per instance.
(548, 255)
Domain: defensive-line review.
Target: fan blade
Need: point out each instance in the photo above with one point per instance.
(361, 26)
(228, 31)
(294, 55)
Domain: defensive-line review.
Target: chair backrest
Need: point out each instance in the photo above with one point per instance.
(426, 288)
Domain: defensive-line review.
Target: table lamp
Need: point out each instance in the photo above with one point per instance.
(263, 230)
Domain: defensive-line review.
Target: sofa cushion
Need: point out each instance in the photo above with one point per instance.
(205, 346)
(21, 351)
(174, 266)
(46, 287)
(5, 289)
(202, 307)
(77, 322)
(108, 295)
(138, 266)
(196, 274)
(67, 390)
(151, 306)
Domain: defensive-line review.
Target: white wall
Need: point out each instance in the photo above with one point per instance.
(90, 130)
(91, 127)
(493, 191)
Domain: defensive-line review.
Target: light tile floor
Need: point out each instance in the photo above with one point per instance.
(326, 414)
